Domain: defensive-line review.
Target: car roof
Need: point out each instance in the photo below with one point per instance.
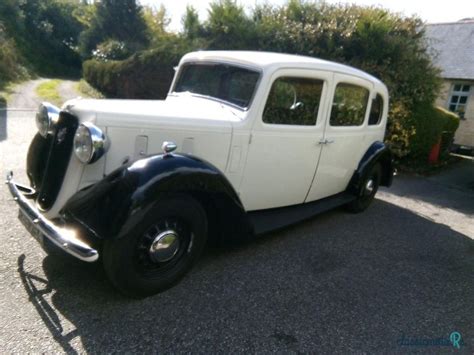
(265, 60)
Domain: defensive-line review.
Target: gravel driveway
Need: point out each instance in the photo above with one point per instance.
(24, 96)
(339, 283)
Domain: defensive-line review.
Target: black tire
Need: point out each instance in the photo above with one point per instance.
(129, 262)
(365, 196)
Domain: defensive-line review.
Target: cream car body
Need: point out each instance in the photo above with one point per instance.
(221, 134)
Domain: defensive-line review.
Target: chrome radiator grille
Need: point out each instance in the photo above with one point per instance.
(48, 159)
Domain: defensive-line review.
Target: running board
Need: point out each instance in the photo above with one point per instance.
(264, 221)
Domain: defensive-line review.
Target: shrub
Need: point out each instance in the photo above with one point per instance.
(111, 50)
(451, 119)
(450, 127)
(399, 130)
(145, 75)
(431, 124)
(86, 90)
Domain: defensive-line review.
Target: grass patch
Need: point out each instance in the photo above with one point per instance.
(86, 90)
(48, 91)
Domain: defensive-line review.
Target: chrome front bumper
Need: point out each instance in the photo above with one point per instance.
(65, 239)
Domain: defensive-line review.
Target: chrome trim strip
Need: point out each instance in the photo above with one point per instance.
(65, 239)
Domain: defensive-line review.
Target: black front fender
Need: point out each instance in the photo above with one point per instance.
(112, 206)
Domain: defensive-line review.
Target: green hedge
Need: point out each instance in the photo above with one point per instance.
(431, 124)
(145, 75)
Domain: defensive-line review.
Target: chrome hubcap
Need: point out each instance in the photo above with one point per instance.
(164, 247)
(369, 186)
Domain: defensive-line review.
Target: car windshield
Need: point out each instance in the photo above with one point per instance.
(225, 82)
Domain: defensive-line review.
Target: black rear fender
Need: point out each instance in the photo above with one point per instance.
(379, 153)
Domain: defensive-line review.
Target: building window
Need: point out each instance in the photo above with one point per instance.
(458, 100)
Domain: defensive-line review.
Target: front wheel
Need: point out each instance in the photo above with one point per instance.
(367, 190)
(159, 250)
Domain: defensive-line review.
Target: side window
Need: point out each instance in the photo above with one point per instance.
(376, 110)
(349, 105)
(293, 101)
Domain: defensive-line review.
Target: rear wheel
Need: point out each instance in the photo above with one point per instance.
(159, 250)
(367, 191)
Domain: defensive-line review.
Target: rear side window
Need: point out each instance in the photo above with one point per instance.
(349, 105)
(376, 110)
(293, 101)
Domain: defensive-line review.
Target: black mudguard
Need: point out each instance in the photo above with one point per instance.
(111, 207)
(378, 152)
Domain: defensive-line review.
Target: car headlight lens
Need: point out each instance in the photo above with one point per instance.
(83, 144)
(90, 143)
(46, 116)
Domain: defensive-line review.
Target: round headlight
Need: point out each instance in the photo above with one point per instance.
(90, 143)
(45, 117)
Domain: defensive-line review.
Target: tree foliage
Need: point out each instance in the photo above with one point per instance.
(228, 27)
(11, 63)
(387, 45)
(192, 27)
(45, 32)
(157, 21)
(118, 20)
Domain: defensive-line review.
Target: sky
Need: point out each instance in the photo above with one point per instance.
(433, 11)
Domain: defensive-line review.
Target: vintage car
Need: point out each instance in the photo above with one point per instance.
(244, 143)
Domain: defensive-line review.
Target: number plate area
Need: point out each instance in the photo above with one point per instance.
(31, 227)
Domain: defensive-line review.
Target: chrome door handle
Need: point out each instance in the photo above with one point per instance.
(326, 141)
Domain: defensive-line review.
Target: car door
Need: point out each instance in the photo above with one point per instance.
(283, 150)
(345, 140)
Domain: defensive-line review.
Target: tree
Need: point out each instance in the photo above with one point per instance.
(45, 33)
(192, 27)
(228, 27)
(118, 20)
(156, 20)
